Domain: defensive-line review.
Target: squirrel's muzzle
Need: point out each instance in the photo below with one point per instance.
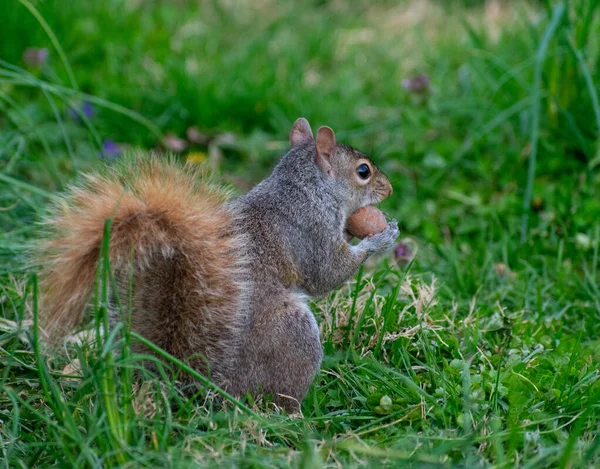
(384, 188)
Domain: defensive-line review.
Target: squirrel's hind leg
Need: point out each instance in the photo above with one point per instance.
(283, 351)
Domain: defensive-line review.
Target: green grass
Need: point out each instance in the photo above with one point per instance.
(481, 352)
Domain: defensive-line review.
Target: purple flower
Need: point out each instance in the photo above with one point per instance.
(174, 143)
(110, 150)
(403, 252)
(35, 57)
(86, 108)
(417, 84)
(194, 136)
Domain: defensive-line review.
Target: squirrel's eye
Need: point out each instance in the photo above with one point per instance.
(363, 171)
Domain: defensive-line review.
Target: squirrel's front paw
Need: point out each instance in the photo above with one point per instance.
(383, 241)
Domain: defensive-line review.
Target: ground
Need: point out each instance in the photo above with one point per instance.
(473, 344)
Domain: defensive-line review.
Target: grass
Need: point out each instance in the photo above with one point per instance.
(481, 351)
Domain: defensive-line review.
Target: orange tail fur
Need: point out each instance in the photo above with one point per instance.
(176, 233)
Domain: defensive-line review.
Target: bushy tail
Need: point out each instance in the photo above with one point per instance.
(169, 225)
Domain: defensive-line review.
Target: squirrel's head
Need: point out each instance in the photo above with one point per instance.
(354, 175)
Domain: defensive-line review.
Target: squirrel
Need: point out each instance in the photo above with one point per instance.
(221, 283)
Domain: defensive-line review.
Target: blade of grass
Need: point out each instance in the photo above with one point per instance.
(51, 391)
(53, 39)
(357, 289)
(557, 14)
(28, 187)
(585, 71)
(565, 461)
(29, 81)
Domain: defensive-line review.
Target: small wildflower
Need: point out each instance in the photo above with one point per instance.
(110, 150)
(85, 108)
(35, 57)
(502, 270)
(225, 139)
(417, 84)
(195, 157)
(194, 136)
(174, 143)
(403, 252)
(537, 204)
(583, 241)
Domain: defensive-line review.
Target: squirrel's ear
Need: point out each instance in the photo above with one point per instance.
(325, 149)
(300, 133)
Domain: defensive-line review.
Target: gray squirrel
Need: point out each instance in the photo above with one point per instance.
(220, 283)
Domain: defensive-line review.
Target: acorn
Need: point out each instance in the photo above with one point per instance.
(366, 221)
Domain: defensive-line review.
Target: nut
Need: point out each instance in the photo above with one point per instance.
(366, 221)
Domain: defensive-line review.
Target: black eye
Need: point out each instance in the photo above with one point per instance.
(363, 171)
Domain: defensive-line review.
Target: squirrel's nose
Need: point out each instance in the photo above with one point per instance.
(387, 189)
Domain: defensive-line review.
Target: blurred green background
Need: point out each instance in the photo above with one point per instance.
(460, 145)
(484, 114)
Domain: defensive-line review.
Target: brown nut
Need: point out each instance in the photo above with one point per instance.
(366, 221)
